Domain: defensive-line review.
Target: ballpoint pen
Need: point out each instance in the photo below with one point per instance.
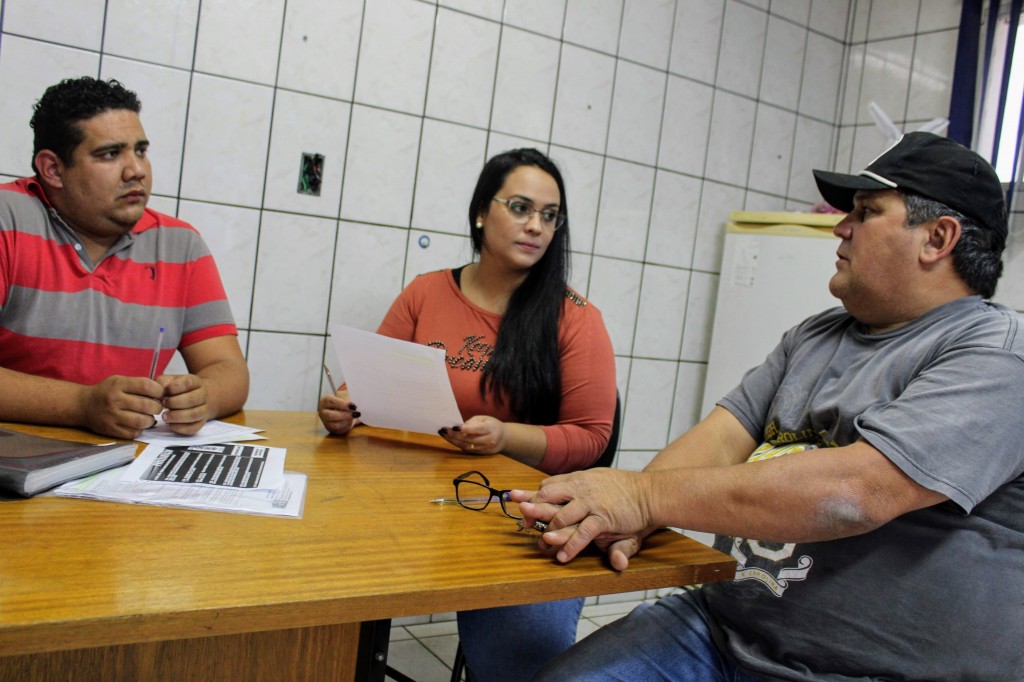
(156, 354)
(540, 526)
(330, 379)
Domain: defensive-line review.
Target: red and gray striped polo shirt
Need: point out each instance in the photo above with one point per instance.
(63, 317)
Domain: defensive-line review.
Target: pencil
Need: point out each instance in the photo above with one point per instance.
(156, 354)
(330, 379)
(467, 500)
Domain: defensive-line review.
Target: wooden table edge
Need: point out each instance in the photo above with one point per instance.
(140, 628)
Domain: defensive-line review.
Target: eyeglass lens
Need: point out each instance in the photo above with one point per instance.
(522, 212)
(472, 491)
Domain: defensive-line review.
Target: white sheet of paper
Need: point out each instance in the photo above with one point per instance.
(395, 384)
(213, 431)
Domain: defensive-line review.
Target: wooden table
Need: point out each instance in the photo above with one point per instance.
(102, 591)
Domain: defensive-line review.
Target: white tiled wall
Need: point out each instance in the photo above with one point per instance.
(665, 115)
(901, 57)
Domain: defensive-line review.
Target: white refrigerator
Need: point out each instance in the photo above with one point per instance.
(775, 272)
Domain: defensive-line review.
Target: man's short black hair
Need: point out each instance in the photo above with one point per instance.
(60, 109)
(977, 256)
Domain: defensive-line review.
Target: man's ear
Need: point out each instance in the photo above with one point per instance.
(50, 169)
(943, 235)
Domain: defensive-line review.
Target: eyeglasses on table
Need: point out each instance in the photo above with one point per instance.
(473, 491)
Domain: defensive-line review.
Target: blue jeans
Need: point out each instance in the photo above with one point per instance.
(511, 643)
(667, 640)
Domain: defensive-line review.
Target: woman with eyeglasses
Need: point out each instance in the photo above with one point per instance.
(531, 366)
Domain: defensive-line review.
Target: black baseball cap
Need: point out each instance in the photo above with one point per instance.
(932, 166)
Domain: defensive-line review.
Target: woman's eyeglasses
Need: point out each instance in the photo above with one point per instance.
(521, 212)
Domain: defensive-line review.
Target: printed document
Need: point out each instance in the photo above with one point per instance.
(395, 384)
(225, 465)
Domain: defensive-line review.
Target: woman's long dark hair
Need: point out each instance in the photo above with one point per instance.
(524, 368)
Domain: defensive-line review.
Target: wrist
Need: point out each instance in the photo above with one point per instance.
(654, 494)
(80, 404)
(502, 440)
(526, 443)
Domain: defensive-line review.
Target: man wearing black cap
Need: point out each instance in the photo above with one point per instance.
(868, 477)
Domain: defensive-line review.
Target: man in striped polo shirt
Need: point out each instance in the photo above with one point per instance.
(97, 291)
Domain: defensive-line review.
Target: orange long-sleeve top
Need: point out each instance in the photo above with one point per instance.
(432, 310)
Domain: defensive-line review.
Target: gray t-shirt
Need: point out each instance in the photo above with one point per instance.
(936, 594)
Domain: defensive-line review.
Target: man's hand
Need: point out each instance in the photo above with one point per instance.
(121, 407)
(185, 400)
(607, 507)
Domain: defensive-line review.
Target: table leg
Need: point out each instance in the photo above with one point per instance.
(372, 659)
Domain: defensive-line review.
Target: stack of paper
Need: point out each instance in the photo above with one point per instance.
(213, 431)
(232, 477)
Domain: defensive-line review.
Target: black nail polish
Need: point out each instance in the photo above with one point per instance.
(352, 406)
(356, 415)
(442, 431)
(456, 428)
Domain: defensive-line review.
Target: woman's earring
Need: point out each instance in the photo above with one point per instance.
(479, 225)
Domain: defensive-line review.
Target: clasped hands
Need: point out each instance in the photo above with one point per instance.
(123, 407)
(610, 508)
